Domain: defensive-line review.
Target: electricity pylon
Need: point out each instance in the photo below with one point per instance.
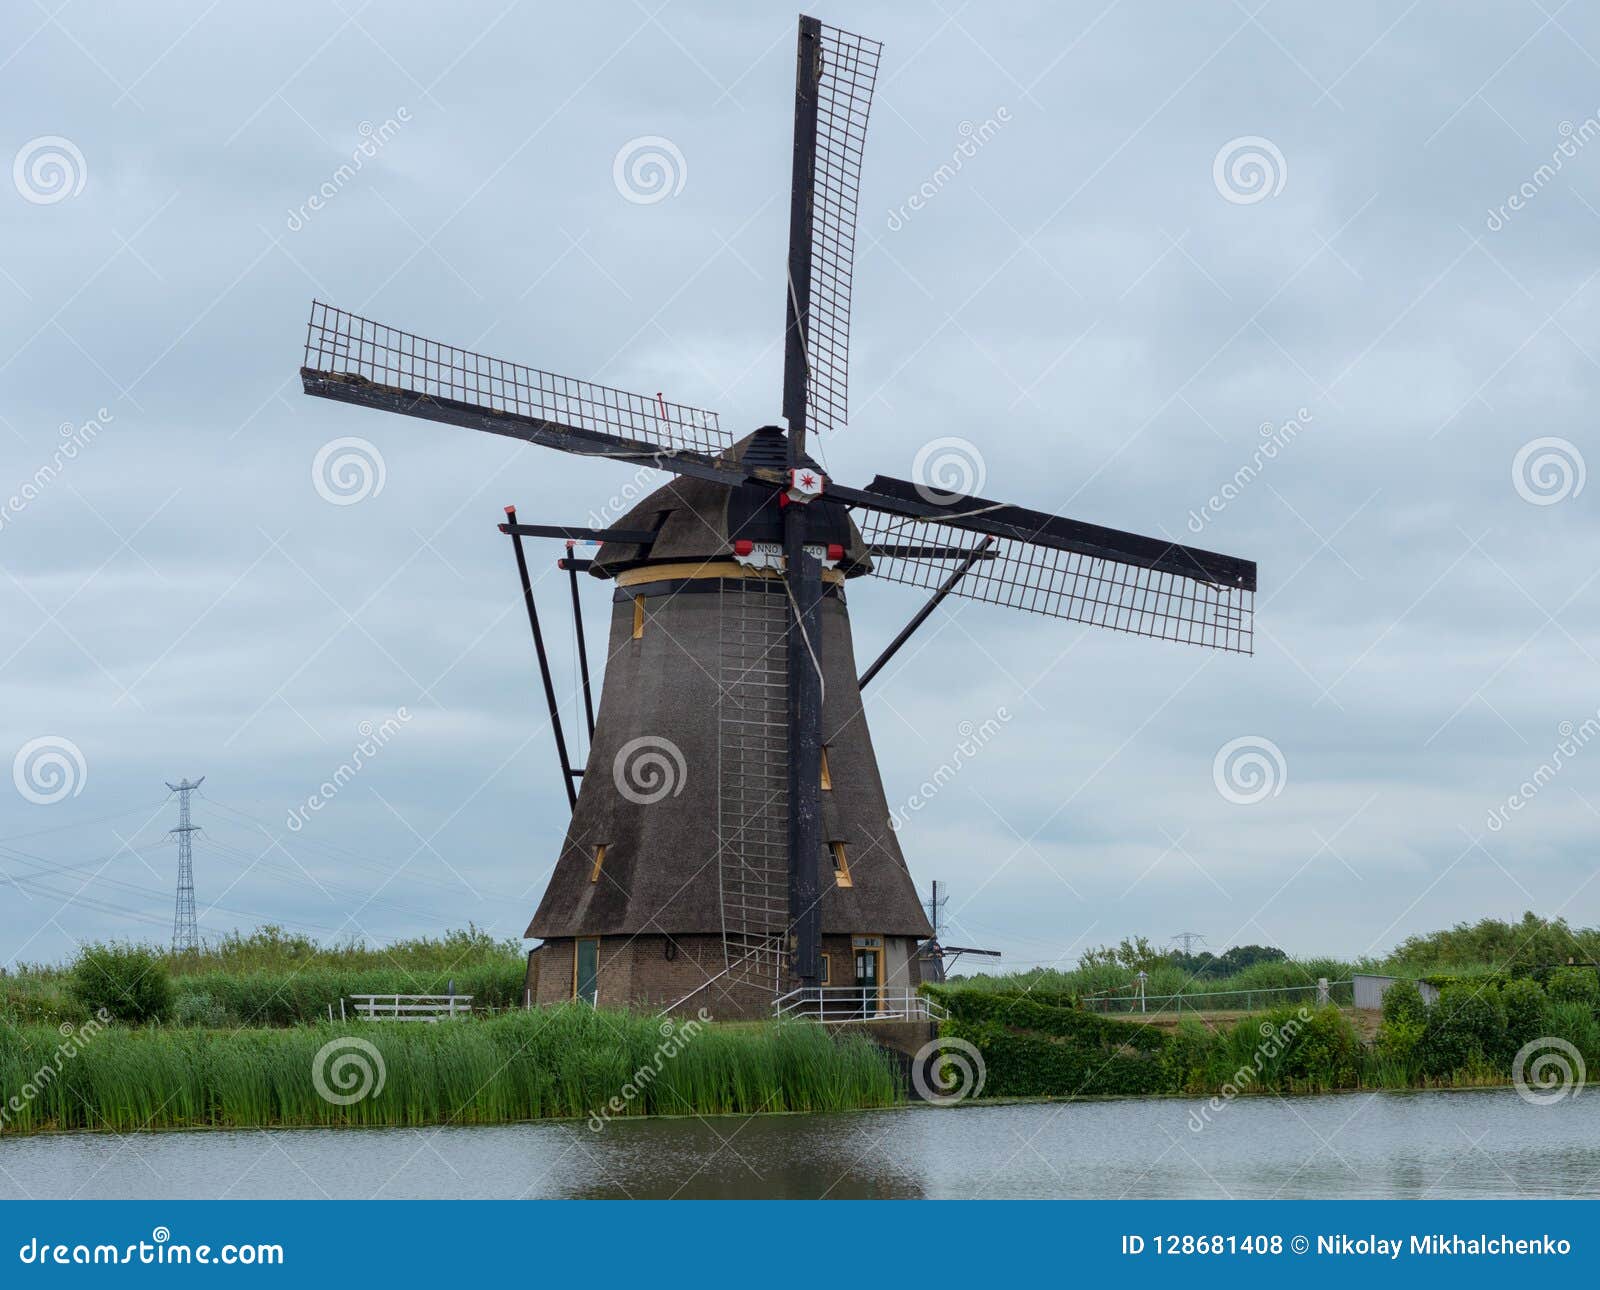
(185, 934)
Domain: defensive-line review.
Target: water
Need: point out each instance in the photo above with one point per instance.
(1458, 1144)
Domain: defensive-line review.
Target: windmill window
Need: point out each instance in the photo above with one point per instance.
(841, 866)
(599, 859)
(638, 617)
(827, 969)
(827, 775)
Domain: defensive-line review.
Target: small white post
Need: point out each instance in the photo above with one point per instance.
(1322, 990)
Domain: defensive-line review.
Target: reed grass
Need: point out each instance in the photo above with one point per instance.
(572, 1061)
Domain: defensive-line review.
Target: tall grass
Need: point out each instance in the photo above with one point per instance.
(571, 1061)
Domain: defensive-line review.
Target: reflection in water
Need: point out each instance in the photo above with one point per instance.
(783, 1157)
(1473, 1144)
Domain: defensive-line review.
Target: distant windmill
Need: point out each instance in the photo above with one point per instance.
(758, 860)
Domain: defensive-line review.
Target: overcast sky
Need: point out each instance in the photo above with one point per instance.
(1167, 231)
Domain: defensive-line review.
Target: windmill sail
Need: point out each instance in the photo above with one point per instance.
(837, 74)
(356, 360)
(1046, 564)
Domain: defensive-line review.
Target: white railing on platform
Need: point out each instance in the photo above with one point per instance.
(835, 1004)
(411, 1007)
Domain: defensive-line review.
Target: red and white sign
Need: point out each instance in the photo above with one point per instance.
(805, 485)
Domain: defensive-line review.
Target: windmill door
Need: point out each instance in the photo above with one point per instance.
(869, 974)
(586, 971)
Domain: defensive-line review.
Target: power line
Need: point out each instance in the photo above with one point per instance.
(76, 824)
(347, 857)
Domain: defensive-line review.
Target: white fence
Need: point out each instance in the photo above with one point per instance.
(1132, 998)
(411, 1007)
(835, 1004)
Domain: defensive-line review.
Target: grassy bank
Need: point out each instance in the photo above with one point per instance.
(1492, 949)
(1478, 1032)
(567, 1062)
(270, 978)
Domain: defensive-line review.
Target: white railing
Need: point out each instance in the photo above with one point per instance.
(835, 1004)
(411, 1007)
(1129, 998)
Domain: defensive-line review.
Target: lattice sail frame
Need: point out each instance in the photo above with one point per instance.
(1064, 584)
(847, 76)
(339, 343)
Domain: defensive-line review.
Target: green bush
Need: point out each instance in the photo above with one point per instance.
(1322, 1052)
(1031, 1065)
(128, 981)
(39, 999)
(1186, 1059)
(1016, 1011)
(1286, 1050)
(1402, 1004)
(196, 1008)
(1399, 1052)
(1575, 985)
(1527, 1010)
(1466, 1031)
(1518, 947)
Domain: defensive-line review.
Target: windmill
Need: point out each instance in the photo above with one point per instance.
(730, 842)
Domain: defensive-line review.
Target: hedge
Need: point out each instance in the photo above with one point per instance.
(1024, 1012)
